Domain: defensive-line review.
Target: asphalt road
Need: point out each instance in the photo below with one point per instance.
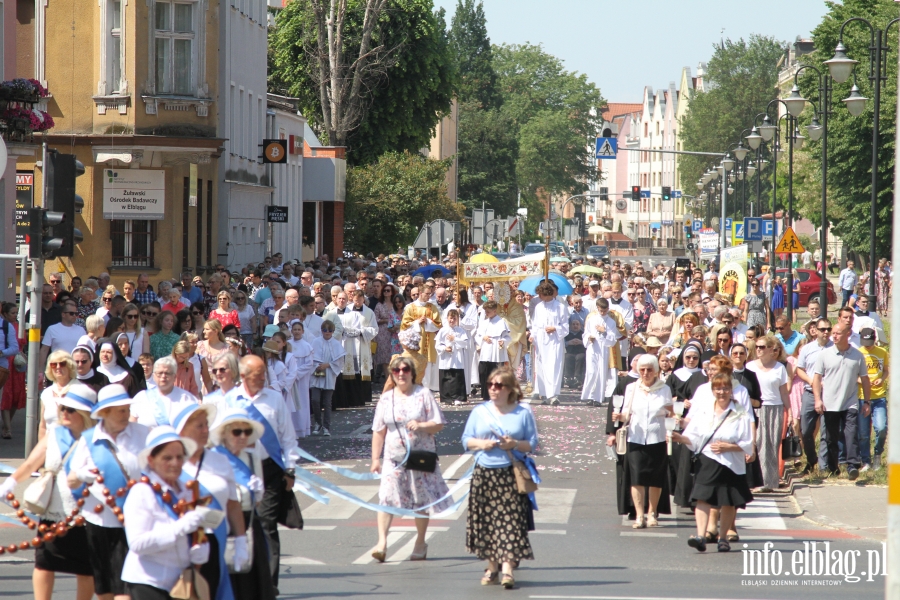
(582, 547)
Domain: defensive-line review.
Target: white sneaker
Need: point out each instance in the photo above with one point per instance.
(457, 403)
(326, 433)
(864, 468)
(554, 401)
(317, 430)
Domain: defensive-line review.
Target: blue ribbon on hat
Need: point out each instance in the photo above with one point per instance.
(183, 416)
(87, 403)
(107, 401)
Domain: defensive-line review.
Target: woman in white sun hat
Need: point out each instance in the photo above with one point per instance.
(232, 433)
(216, 478)
(159, 538)
(110, 451)
(62, 554)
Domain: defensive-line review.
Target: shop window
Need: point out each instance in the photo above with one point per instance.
(132, 243)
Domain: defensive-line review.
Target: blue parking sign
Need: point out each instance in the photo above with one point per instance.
(698, 225)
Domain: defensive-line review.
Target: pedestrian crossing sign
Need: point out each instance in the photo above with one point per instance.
(789, 243)
(607, 147)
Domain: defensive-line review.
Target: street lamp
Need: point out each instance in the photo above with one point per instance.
(841, 66)
(795, 102)
(754, 139)
(767, 130)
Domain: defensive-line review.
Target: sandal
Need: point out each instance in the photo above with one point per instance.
(639, 523)
(6, 435)
(379, 555)
(724, 546)
(711, 536)
(733, 537)
(695, 541)
(489, 577)
(508, 582)
(652, 520)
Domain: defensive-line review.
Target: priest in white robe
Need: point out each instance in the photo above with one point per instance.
(549, 329)
(360, 328)
(600, 335)
(468, 320)
(425, 315)
(492, 339)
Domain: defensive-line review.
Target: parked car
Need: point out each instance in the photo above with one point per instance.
(598, 252)
(534, 248)
(809, 285)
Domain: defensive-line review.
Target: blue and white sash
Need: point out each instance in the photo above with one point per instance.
(105, 459)
(223, 589)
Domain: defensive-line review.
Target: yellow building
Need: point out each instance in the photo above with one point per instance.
(133, 94)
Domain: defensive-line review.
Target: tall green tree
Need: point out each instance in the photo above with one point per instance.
(401, 96)
(474, 59)
(741, 81)
(389, 200)
(488, 151)
(849, 137)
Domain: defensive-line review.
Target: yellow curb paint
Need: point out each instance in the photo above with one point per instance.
(894, 484)
(34, 335)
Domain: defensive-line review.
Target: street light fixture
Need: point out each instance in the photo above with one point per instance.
(751, 169)
(754, 139)
(767, 130)
(795, 102)
(700, 185)
(841, 66)
(728, 163)
(798, 138)
(740, 152)
(856, 102)
(815, 130)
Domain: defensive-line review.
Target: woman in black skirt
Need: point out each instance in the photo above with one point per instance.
(497, 520)
(64, 554)
(720, 437)
(646, 405)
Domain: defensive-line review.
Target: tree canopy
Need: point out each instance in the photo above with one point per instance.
(471, 48)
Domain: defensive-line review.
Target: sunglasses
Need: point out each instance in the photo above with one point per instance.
(219, 370)
(105, 300)
(148, 313)
(239, 432)
(825, 329)
(692, 357)
(131, 316)
(196, 313)
(55, 281)
(68, 409)
(398, 370)
(496, 385)
(82, 362)
(58, 365)
(69, 312)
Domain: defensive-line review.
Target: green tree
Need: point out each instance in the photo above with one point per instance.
(850, 138)
(400, 97)
(390, 199)
(741, 79)
(488, 151)
(471, 47)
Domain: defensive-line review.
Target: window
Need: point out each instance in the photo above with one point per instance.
(132, 243)
(114, 47)
(175, 35)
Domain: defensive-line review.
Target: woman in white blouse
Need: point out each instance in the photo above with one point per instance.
(61, 371)
(647, 403)
(721, 438)
(160, 544)
(774, 384)
(231, 435)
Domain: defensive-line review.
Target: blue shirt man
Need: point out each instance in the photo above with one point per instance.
(847, 282)
(792, 339)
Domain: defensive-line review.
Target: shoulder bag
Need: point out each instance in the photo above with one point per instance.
(525, 483)
(695, 457)
(191, 585)
(790, 446)
(414, 460)
(622, 432)
(248, 534)
(38, 494)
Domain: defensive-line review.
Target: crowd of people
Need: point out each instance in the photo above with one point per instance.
(154, 397)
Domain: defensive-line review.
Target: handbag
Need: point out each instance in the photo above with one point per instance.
(191, 585)
(416, 460)
(524, 483)
(790, 446)
(20, 362)
(38, 494)
(695, 457)
(229, 549)
(622, 432)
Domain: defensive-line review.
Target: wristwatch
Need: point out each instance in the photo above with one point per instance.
(290, 473)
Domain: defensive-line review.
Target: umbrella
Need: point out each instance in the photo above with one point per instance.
(432, 271)
(529, 284)
(587, 269)
(597, 230)
(484, 257)
(560, 259)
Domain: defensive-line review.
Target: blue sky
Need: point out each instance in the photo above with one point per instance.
(624, 45)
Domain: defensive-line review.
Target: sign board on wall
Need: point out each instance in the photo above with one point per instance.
(24, 201)
(276, 214)
(134, 194)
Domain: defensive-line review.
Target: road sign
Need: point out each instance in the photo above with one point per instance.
(737, 233)
(728, 222)
(276, 214)
(789, 243)
(768, 231)
(698, 225)
(495, 230)
(274, 151)
(753, 229)
(709, 243)
(607, 148)
(676, 193)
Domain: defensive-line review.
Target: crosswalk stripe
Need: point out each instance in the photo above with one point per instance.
(393, 538)
(457, 464)
(298, 560)
(554, 505)
(404, 553)
(338, 508)
(762, 513)
(657, 534)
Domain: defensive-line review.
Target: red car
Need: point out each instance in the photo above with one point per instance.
(809, 285)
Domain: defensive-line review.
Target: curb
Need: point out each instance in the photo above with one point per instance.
(803, 500)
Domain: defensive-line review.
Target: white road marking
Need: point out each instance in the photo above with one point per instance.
(762, 513)
(658, 534)
(299, 560)
(338, 508)
(554, 505)
(404, 553)
(406, 528)
(548, 531)
(393, 538)
(319, 527)
(457, 464)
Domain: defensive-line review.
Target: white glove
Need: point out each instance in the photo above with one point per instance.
(86, 475)
(241, 556)
(209, 517)
(350, 332)
(189, 522)
(7, 486)
(256, 485)
(199, 553)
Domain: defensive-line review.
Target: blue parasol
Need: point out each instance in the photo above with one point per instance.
(432, 271)
(529, 284)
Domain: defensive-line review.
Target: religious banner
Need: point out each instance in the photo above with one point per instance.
(501, 270)
(733, 274)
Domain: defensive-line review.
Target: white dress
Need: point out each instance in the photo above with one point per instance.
(597, 356)
(549, 347)
(303, 367)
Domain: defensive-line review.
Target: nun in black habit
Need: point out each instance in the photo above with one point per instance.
(684, 381)
(110, 362)
(624, 501)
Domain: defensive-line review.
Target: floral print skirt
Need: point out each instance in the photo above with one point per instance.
(497, 520)
(405, 488)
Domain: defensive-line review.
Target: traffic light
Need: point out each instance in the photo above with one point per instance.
(62, 171)
(666, 193)
(635, 192)
(604, 193)
(688, 232)
(41, 240)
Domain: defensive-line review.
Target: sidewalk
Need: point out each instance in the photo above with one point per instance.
(857, 509)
